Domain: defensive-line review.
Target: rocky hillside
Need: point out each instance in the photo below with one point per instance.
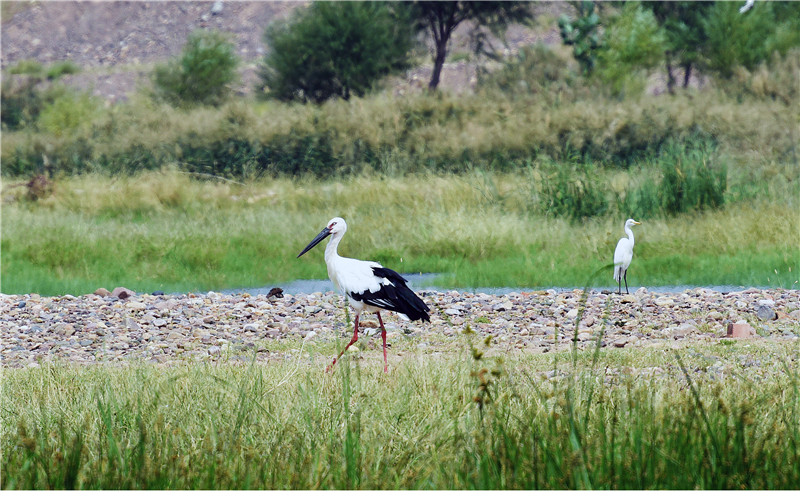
(117, 43)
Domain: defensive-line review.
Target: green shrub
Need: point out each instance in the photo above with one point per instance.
(24, 95)
(336, 50)
(693, 179)
(633, 41)
(58, 69)
(67, 113)
(748, 39)
(29, 67)
(583, 34)
(202, 73)
(573, 192)
(536, 70)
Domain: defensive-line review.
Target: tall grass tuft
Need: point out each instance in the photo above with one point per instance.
(598, 418)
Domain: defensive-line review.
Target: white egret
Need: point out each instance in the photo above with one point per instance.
(368, 286)
(623, 255)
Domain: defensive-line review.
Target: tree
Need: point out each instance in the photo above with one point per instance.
(203, 72)
(583, 34)
(442, 18)
(686, 38)
(336, 49)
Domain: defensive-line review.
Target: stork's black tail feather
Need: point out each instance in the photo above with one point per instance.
(396, 297)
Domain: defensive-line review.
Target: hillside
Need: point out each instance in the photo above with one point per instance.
(117, 43)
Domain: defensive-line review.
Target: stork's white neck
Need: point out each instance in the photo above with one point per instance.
(331, 252)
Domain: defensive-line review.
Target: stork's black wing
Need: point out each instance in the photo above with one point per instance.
(396, 296)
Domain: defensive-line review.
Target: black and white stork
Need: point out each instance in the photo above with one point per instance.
(368, 286)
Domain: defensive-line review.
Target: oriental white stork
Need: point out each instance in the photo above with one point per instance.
(368, 286)
(623, 255)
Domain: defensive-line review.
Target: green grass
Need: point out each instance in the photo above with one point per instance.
(165, 231)
(458, 420)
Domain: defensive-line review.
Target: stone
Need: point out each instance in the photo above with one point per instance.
(452, 311)
(159, 322)
(765, 312)
(741, 329)
(102, 292)
(620, 343)
(250, 328)
(64, 329)
(135, 305)
(122, 293)
(664, 301)
(572, 313)
(628, 298)
(130, 324)
(683, 330)
(584, 336)
(158, 293)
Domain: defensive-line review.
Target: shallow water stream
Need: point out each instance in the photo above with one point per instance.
(421, 282)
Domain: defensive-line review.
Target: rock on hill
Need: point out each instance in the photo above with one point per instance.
(117, 43)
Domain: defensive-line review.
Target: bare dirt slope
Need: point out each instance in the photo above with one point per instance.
(117, 43)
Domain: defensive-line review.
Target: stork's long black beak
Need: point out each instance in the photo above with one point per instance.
(314, 242)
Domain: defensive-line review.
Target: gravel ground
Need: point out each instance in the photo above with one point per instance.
(215, 327)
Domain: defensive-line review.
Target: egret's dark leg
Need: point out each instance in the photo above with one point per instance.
(383, 335)
(355, 338)
(619, 291)
(626, 282)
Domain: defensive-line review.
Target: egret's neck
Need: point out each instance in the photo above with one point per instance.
(629, 232)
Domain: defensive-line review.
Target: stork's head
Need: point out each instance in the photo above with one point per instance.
(630, 223)
(336, 226)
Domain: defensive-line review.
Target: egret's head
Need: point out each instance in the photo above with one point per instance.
(630, 223)
(335, 226)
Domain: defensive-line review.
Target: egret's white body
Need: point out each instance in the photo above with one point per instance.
(368, 286)
(624, 254)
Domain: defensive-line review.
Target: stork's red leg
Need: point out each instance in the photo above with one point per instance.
(383, 335)
(355, 338)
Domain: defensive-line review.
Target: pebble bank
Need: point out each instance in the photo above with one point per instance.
(165, 329)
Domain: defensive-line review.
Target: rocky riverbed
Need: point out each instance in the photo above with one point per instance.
(101, 328)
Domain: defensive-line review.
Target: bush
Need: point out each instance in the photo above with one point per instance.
(632, 41)
(202, 73)
(67, 113)
(573, 192)
(748, 39)
(26, 94)
(336, 49)
(536, 70)
(692, 177)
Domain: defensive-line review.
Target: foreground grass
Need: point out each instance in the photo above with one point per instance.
(459, 420)
(165, 231)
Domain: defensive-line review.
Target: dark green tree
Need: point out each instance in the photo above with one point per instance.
(440, 19)
(336, 49)
(583, 34)
(750, 38)
(686, 37)
(203, 72)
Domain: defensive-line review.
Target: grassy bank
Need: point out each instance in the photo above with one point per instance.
(166, 231)
(707, 419)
